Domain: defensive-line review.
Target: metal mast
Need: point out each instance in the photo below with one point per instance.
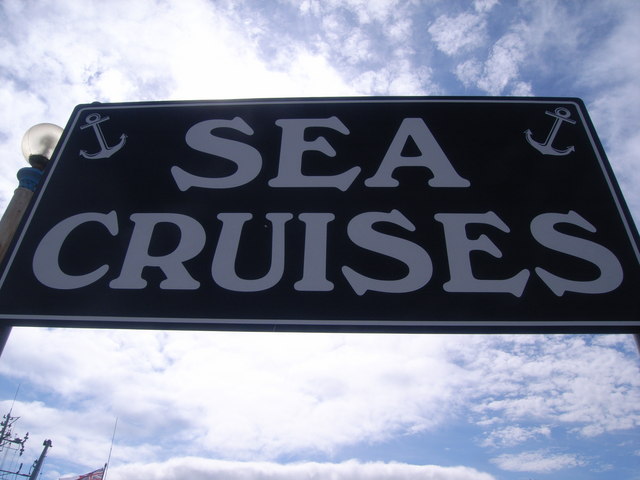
(12, 448)
(37, 466)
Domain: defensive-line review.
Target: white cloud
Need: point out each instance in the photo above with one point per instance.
(79, 434)
(399, 30)
(522, 89)
(357, 47)
(484, 5)
(612, 70)
(373, 21)
(537, 462)
(397, 81)
(244, 395)
(240, 395)
(589, 388)
(528, 43)
(468, 72)
(369, 42)
(502, 66)
(513, 435)
(366, 11)
(459, 33)
(203, 469)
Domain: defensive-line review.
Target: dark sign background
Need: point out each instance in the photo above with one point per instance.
(484, 140)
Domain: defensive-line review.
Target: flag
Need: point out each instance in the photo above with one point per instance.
(95, 475)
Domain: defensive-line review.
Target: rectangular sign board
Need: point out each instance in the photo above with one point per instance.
(346, 214)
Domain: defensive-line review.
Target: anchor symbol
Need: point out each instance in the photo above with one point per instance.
(94, 120)
(546, 148)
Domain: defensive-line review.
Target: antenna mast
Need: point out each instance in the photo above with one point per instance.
(38, 464)
(12, 448)
(113, 437)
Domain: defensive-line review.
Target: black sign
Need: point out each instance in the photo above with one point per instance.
(365, 214)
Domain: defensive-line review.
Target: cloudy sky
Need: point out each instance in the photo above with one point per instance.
(263, 406)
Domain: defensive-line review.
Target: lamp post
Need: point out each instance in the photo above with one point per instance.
(38, 145)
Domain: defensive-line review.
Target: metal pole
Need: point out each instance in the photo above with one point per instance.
(38, 144)
(28, 179)
(113, 437)
(5, 331)
(40, 461)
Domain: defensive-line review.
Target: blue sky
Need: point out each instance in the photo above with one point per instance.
(257, 406)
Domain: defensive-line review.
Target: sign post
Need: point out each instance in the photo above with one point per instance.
(349, 214)
(38, 144)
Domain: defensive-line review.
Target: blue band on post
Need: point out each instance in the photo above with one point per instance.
(29, 178)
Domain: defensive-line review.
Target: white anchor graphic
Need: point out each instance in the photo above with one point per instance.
(546, 148)
(94, 120)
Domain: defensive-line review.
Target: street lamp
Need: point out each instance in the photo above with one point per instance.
(38, 145)
(39, 142)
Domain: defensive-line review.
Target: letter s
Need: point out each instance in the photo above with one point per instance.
(362, 233)
(542, 228)
(247, 158)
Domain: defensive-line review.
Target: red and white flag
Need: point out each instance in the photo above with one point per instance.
(95, 475)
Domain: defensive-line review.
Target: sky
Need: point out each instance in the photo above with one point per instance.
(254, 406)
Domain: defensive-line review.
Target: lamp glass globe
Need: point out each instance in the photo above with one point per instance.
(41, 140)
